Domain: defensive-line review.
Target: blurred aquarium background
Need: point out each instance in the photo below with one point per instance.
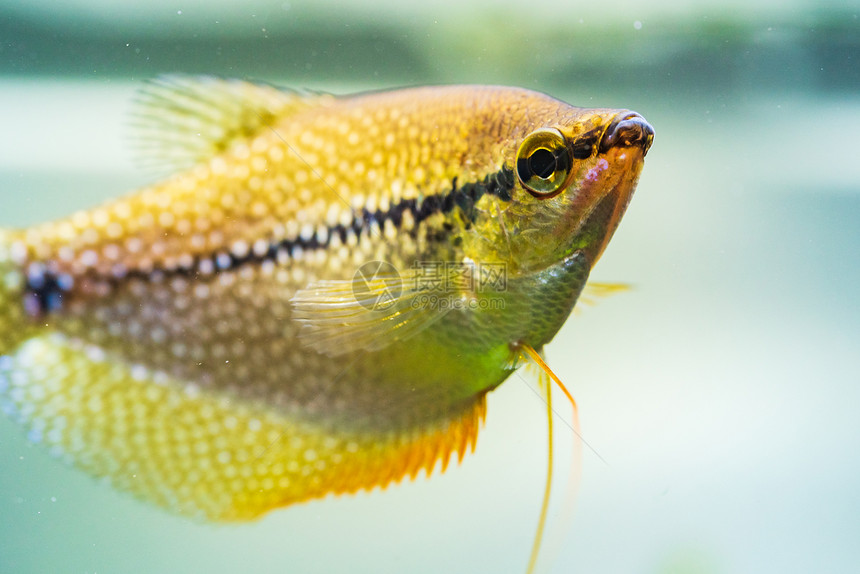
(721, 393)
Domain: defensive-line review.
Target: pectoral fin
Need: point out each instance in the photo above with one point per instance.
(370, 312)
(594, 292)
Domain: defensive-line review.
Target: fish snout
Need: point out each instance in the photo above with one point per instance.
(627, 129)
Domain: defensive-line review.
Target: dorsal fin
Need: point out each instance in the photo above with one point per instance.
(182, 120)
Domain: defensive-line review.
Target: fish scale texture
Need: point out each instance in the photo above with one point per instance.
(197, 455)
(202, 344)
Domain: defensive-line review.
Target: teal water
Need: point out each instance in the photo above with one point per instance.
(720, 393)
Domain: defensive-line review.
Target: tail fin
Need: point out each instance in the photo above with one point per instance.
(15, 325)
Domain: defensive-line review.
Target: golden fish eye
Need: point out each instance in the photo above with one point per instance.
(543, 163)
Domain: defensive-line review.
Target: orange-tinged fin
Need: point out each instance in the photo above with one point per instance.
(594, 292)
(181, 120)
(195, 453)
(545, 384)
(547, 376)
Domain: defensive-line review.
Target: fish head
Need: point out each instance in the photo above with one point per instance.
(574, 178)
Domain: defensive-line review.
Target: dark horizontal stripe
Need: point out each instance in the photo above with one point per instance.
(45, 292)
(583, 146)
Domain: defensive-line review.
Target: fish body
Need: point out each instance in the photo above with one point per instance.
(319, 301)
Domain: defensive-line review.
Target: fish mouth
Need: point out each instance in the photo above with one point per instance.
(624, 145)
(627, 129)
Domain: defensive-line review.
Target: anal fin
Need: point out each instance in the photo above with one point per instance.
(201, 454)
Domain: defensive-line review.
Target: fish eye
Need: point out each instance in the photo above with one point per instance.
(543, 163)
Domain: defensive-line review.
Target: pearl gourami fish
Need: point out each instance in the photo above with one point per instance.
(321, 298)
